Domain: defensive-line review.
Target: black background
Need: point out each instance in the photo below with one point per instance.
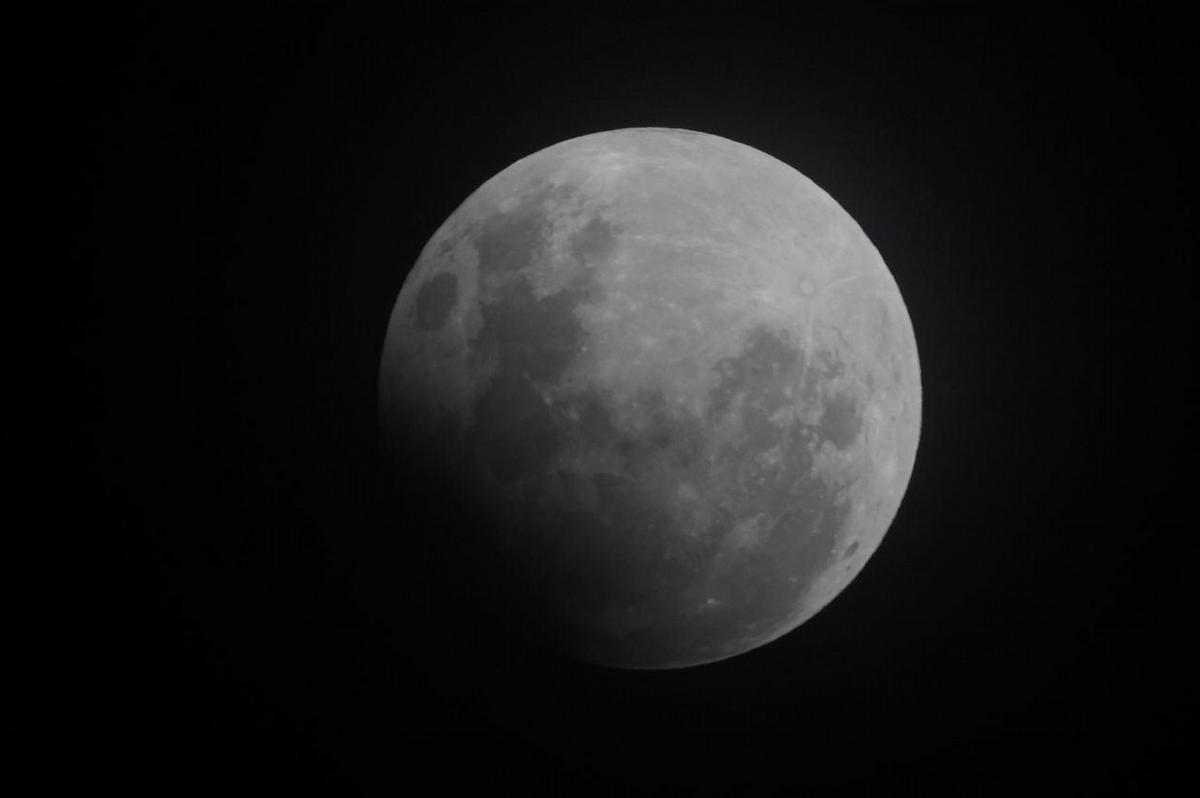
(271, 615)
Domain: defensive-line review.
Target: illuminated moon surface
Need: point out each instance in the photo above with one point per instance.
(675, 378)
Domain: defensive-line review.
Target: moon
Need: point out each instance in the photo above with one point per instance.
(674, 377)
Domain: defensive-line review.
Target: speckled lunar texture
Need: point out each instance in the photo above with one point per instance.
(677, 376)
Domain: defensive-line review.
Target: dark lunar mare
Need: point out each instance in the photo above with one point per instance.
(526, 340)
(435, 300)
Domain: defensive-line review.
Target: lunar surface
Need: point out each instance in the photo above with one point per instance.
(675, 378)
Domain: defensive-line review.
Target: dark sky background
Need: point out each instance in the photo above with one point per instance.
(277, 618)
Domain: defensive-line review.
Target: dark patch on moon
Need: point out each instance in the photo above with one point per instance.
(675, 439)
(435, 300)
(762, 371)
(508, 242)
(529, 340)
(841, 421)
(853, 547)
(595, 242)
(537, 337)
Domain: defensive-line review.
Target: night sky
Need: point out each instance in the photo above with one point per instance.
(277, 618)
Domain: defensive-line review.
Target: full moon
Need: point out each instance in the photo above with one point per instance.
(675, 379)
